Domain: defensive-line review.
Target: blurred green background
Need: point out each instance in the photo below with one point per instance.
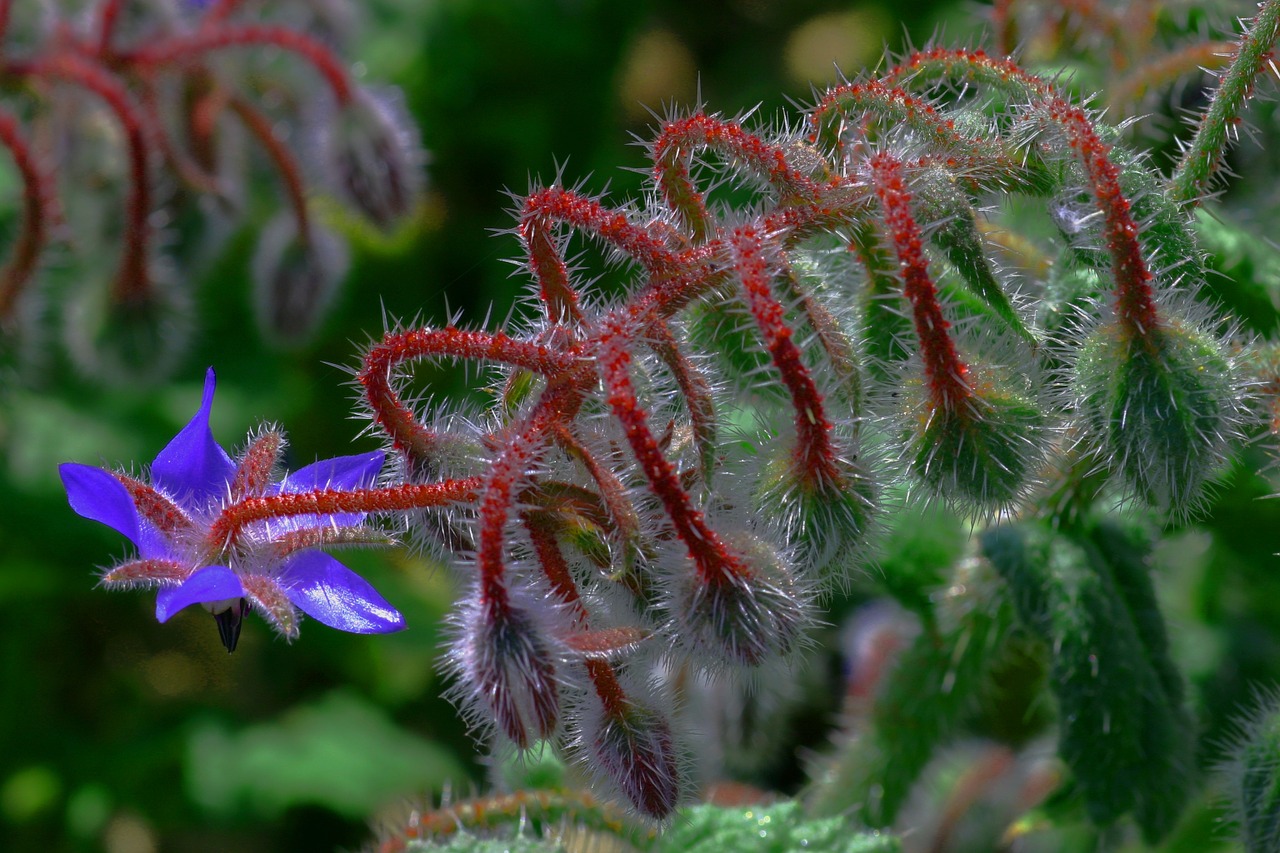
(123, 735)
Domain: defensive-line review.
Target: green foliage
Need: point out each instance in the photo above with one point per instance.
(1124, 728)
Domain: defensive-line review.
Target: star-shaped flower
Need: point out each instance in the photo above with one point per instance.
(272, 565)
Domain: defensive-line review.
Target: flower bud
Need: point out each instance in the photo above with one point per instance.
(981, 452)
(374, 157)
(138, 338)
(1251, 777)
(633, 748)
(296, 277)
(746, 618)
(827, 521)
(507, 671)
(1160, 406)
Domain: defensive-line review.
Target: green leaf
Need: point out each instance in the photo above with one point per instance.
(340, 752)
(1124, 730)
(778, 828)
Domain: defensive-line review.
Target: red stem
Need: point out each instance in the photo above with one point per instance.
(259, 126)
(390, 412)
(231, 521)
(814, 454)
(1135, 295)
(715, 563)
(190, 46)
(36, 192)
(108, 17)
(132, 281)
(673, 152)
(944, 370)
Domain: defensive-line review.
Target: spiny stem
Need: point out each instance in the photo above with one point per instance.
(945, 372)
(713, 561)
(108, 17)
(397, 419)
(814, 453)
(673, 151)
(1204, 153)
(508, 469)
(554, 566)
(225, 531)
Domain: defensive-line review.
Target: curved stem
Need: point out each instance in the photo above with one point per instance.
(259, 126)
(815, 455)
(190, 46)
(714, 562)
(36, 192)
(133, 281)
(945, 372)
(1204, 153)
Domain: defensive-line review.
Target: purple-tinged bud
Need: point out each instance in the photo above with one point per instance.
(296, 278)
(747, 618)
(506, 669)
(629, 745)
(374, 157)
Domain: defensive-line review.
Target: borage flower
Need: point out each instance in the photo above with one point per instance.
(187, 548)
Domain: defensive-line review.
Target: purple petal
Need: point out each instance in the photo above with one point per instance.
(193, 468)
(340, 472)
(212, 583)
(329, 592)
(96, 494)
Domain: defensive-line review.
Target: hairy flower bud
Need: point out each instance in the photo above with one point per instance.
(631, 747)
(507, 671)
(746, 618)
(981, 452)
(374, 157)
(296, 278)
(1162, 405)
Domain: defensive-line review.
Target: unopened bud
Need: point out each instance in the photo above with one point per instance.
(508, 672)
(634, 749)
(296, 277)
(745, 618)
(1161, 406)
(374, 156)
(982, 451)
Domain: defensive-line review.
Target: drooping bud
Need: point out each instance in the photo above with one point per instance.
(826, 521)
(982, 451)
(746, 618)
(507, 672)
(296, 277)
(629, 745)
(1161, 405)
(134, 338)
(374, 157)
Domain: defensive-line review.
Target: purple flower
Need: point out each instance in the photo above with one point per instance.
(272, 565)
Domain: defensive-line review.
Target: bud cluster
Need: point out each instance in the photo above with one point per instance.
(142, 102)
(671, 481)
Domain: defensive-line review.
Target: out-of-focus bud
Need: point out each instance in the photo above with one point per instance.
(138, 338)
(295, 278)
(1161, 406)
(373, 156)
(750, 618)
